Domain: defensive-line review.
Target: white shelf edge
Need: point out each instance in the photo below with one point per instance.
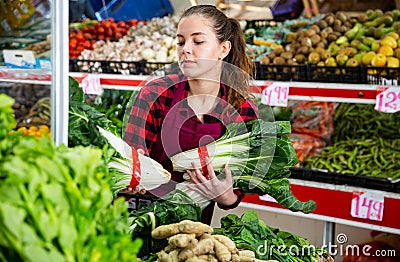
(319, 217)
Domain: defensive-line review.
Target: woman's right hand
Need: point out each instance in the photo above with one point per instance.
(135, 190)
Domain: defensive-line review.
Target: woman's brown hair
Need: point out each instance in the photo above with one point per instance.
(239, 68)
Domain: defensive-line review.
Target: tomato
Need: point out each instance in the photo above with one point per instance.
(133, 22)
(87, 44)
(108, 32)
(72, 44)
(121, 24)
(100, 31)
(87, 36)
(118, 36)
(80, 37)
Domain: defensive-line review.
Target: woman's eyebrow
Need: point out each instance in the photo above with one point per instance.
(193, 34)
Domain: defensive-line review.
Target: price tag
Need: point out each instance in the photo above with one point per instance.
(368, 205)
(91, 85)
(388, 99)
(268, 198)
(275, 94)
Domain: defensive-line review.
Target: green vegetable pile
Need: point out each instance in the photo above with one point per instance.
(362, 121)
(249, 232)
(113, 103)
(56, 202)
(365, 142)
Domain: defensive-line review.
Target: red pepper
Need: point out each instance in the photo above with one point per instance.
(203, 153)
(136, 174)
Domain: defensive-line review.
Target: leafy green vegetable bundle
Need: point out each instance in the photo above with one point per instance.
(249, 232)
(259, 154)
(84, 120)
(56, 202)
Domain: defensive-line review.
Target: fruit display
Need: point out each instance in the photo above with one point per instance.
(83, 35)
(340, 40)
(338, 43)
(151, 41)
(35, 131)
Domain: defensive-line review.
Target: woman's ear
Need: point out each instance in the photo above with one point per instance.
(225, 49)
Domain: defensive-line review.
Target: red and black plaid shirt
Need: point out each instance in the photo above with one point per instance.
(155, 99)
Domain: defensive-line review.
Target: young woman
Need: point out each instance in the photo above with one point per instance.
(189, 109)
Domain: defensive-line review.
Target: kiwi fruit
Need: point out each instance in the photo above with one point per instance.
(300, 58)
(287, 55)
(265, 60)
(279, 61)
(305, 50)
(314, 57)
(315, 39)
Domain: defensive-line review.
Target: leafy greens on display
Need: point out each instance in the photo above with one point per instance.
(259, 154)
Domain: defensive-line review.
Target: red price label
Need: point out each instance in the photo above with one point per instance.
(275, 94)
(368, 205)
(388, 99)
(91, 85)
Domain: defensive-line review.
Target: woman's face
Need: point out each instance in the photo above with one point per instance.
(198, 48)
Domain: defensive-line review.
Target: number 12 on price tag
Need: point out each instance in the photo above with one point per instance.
(388, 99)
(368, 205)
(275, 94)
(91, 85)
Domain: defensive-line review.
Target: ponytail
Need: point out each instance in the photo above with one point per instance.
(241, 67)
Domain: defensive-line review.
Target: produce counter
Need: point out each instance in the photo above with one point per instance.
(333, 205)
(333, 201)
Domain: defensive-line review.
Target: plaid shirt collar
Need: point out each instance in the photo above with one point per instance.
(218, 109)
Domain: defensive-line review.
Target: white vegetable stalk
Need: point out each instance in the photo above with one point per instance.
(152, 173)
(220, 152)
(198, 198)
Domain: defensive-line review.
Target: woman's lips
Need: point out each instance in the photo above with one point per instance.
(187, 61)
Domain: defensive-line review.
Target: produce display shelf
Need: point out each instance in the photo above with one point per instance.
(333, 92)
(333, 205)
(31, 76)
(309, 91)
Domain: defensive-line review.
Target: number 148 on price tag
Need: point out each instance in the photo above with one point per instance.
(275, 94)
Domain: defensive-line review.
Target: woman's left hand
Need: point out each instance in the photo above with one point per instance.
(221, 191)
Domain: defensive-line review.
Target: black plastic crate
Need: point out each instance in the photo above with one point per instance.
(281, 72)
(383, 76)
(337, 74)
(105, 67)
(324, 176)
(122, 67)
(150, 245)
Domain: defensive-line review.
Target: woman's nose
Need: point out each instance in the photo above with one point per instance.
(187, 48)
